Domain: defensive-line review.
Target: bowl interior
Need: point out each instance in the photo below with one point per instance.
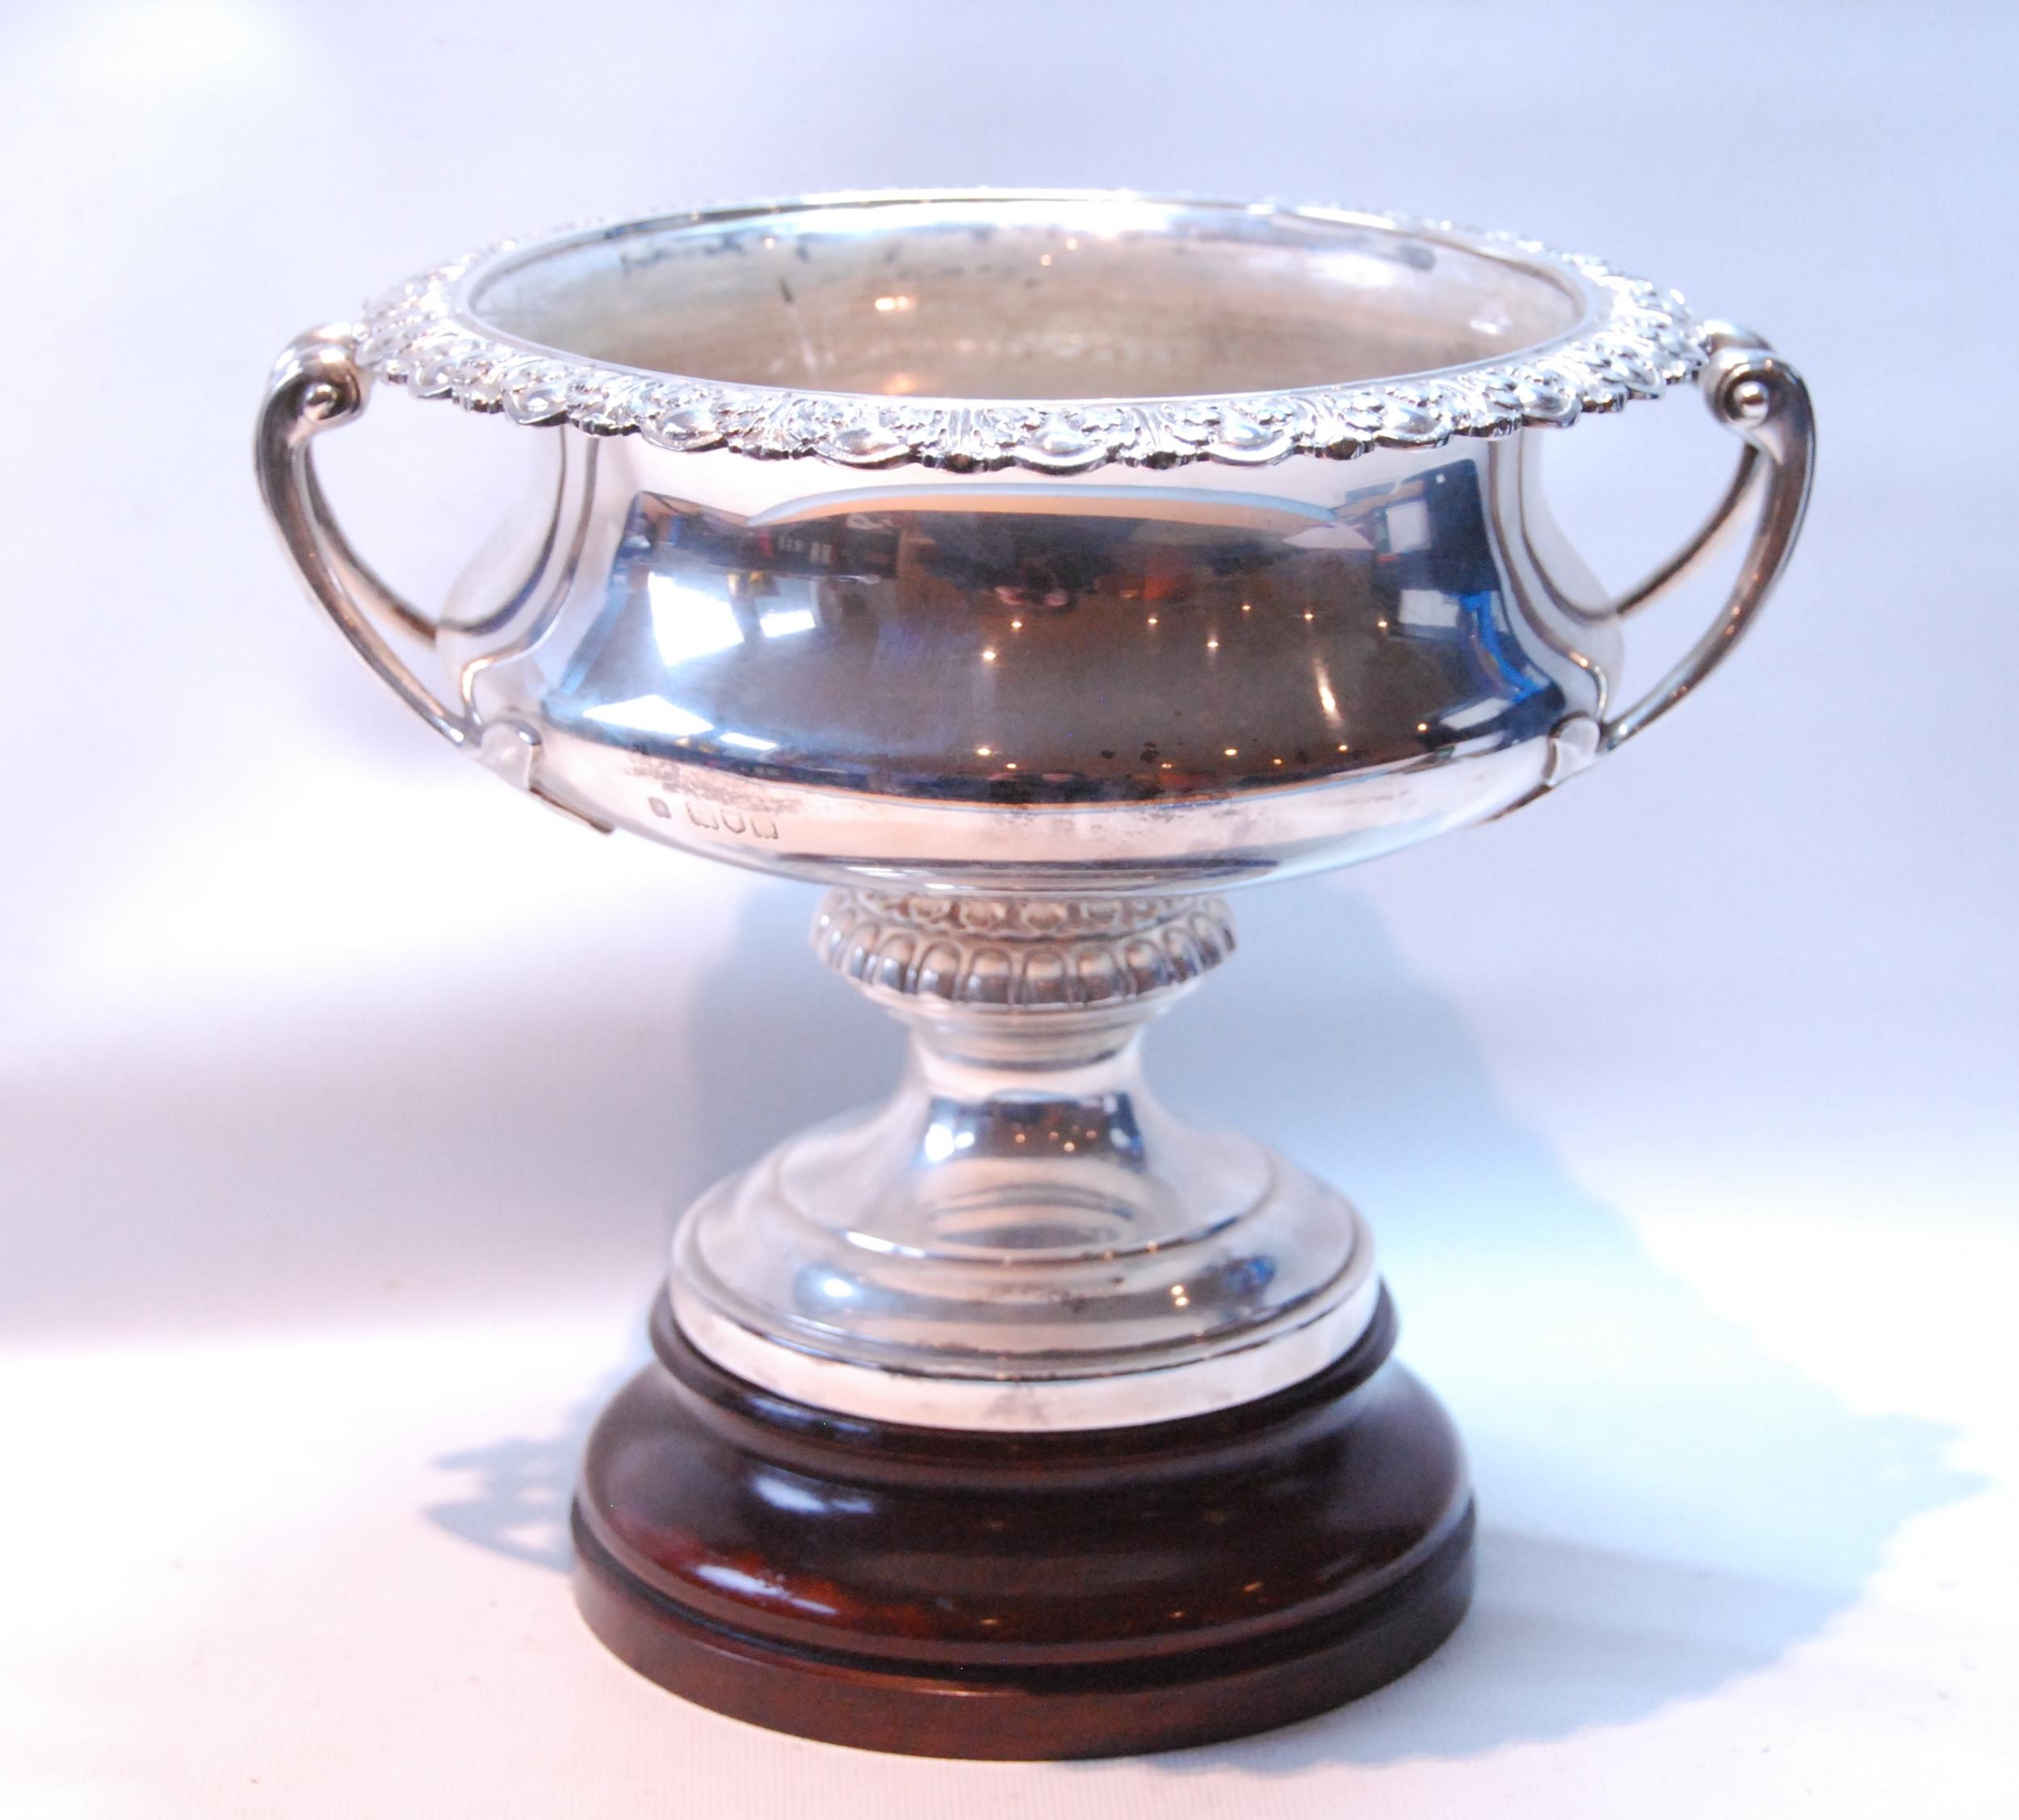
(1006, 297)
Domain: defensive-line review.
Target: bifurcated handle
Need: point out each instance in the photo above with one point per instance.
(317, 384)
(1756, 394)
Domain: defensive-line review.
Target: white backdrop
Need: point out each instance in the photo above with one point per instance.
(345, 1101)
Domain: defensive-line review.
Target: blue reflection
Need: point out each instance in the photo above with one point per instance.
(1107, 644)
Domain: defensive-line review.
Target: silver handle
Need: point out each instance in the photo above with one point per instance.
(1754, 393)
(318, 384)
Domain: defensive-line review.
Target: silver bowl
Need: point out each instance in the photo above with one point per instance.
(1025, 564)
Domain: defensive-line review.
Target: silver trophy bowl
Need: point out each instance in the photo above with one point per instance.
(1030, 567)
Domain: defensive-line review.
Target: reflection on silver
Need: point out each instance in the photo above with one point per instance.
(1020, 670)
(1022, 1237)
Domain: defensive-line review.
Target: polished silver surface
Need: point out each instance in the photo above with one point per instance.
(1022, 1237)
(1024, 564)
(992, 329)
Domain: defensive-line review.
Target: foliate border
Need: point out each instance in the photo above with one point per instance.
(1645, 340)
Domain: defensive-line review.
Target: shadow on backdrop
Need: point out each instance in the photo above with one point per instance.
(516, 1501)
(777, 1045)
(1665, 1507)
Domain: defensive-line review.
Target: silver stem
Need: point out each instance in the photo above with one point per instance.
(1022, 1237)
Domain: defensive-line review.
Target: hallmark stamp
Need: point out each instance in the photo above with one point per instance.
(718, 820)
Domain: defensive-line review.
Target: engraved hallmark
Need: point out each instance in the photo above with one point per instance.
(718, 819)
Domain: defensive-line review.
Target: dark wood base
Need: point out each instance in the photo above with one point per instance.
(958, 1594)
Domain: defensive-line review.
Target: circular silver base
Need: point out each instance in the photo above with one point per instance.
(1023, 1239)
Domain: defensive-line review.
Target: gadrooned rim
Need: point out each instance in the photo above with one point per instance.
(1633, 341)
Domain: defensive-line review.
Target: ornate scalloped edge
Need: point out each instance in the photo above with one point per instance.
(1646, 339)
(1051, 953)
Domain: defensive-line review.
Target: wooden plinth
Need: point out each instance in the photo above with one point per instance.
(959, 1594)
